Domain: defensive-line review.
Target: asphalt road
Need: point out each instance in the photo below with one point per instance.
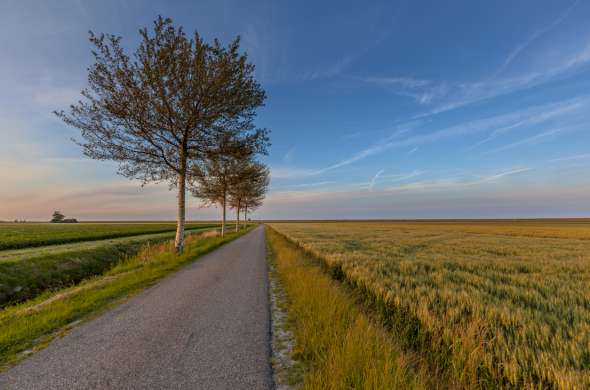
(204, 327)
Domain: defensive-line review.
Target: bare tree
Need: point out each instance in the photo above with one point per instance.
(159, 112)
(248, 186)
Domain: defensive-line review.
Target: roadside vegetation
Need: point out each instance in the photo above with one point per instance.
(26, 235)
(337, 344)
(26, 273)
(29, 326)
(498, 305)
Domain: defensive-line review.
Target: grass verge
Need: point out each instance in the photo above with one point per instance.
(30, 326)
(24, 276)
(338, 344)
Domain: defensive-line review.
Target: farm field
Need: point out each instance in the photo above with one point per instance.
(24, 235)
(487, 304)
(27, 272)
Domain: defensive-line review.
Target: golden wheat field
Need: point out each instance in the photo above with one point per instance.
(488, 303)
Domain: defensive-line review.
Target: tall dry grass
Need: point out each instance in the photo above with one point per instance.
(492, 308)
(340, 347)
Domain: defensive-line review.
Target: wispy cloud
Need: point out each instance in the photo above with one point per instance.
(464, 94)
(304, 185)
(455, 182)
(374, 179)
(580, 58)
(379, 177)
(353, 135)
(403, 176)
(403, 136)
(292, 173)
(571, 158)
(333, 70)
(445, 95)
(532, 120)
(500, 175)
(405, 82)
(534, 36)
(310, 193)
(422, 91)
(539, 137)
(376, 148)
(258, 43)
(521, 202)
(357, 157)
(288, 157)
(337, 67)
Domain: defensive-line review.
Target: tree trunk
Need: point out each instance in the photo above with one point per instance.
(180, 220)
(246, 216)
(238, 217)
(223, 218)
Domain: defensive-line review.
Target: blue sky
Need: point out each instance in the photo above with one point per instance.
(393, 109)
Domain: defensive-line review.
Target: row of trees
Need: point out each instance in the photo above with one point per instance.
(229, 177)
(179, 110)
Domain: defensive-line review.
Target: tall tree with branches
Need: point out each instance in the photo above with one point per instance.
(159, 112)
(248, 187)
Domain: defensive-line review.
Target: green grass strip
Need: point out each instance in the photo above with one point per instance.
(30, 326)
(31, 274)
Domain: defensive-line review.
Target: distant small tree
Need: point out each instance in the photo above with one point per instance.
(157, 113)
(249, 184)
(57, 217)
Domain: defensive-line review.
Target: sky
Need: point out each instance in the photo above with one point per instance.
(385, 109)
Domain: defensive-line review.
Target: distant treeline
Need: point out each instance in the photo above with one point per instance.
(58, 217)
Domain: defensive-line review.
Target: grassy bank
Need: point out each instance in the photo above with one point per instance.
(26, 235)
(339, 346)
(31, 325)
(487, 309)
(26, 273)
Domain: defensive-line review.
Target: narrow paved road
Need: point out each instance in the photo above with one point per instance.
(204, 327)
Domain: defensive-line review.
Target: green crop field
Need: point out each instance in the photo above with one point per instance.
(24, 235)
(489, 304)
(28, 272)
